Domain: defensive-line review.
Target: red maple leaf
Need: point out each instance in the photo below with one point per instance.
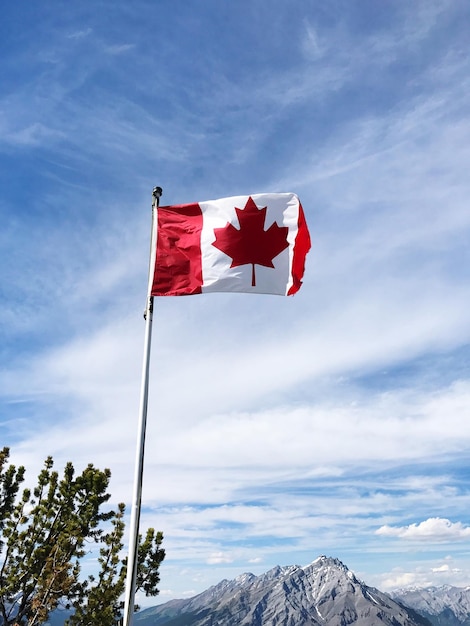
(251, 244)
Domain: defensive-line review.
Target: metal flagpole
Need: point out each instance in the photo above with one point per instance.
(132, 558)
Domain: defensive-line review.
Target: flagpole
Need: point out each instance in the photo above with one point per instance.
(132, 558)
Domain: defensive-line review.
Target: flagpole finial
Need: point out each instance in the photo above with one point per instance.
(156, 194)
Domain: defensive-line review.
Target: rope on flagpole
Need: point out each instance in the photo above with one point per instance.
(133, 553)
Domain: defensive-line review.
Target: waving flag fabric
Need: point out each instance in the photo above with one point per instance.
(250, 244)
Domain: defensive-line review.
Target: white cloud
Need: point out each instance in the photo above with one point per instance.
(117, 49)
(218, 557)
(442, 568)
(434, 529)
(434, 573)
(33, 135)
(80, 34)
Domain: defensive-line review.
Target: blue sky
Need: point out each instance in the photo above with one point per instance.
(335, 422)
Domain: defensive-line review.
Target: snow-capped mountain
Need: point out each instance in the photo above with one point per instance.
(443, 606)
(324, 593)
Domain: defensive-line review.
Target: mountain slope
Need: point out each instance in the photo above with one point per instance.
(443, 606)
(324, 593)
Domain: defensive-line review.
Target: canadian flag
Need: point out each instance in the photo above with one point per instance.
(250, 244)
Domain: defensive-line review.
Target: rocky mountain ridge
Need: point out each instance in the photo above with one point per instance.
(443, 606)
(324, 593)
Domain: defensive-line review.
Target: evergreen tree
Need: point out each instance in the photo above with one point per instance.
(43, 536)
(99, 604)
